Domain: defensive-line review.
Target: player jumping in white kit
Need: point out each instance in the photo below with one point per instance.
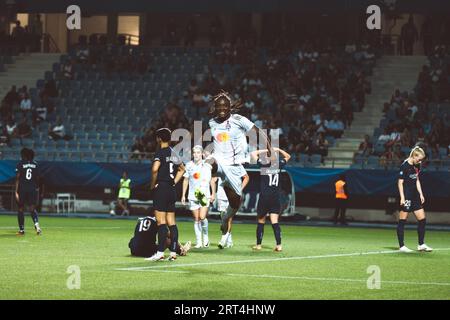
(230, 147)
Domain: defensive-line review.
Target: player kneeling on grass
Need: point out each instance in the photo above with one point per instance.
(411, 198)
(143, 244)
(198, 178)
(269, 202)
(166, 172)
(27, 192)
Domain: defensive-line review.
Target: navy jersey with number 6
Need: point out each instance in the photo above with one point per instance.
(28, 175)
(167, 168)
(270, 178)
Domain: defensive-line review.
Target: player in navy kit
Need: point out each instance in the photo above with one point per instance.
(269, 202)
(167, 170)
(143, 244)
(411, 198)
(27, 189)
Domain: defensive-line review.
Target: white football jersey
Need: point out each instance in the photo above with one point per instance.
(229, 138)
(199, 178)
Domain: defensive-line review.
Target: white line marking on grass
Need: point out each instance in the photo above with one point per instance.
(271, 276)
(336, 255)
(335, 279)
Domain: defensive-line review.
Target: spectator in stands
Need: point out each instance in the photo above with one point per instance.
(137, 149)
(387, 156)
(58, 131)
(406, 138)
(18, 35)
(68, 69)
(366, 147)
(394, 137)
(320, 145)
(39, 115)
(49, 89)
(23, 92)
(25, 105)
(11, 128)
(335, 127)
(4, 137)
(408, 36)
(421, 135)
(23, 130)
(12, 97)
(5, 111)
(82, 53)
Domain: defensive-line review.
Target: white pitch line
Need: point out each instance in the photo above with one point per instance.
(271, 276)
(337, 255)
(336, 279)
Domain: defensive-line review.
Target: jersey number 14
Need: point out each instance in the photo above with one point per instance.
(273, 180)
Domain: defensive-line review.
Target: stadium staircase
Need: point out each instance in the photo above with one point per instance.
(26, 70)
(390, 73)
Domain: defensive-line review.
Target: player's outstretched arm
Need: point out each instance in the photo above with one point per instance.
(254, 155)
(265, 138)
(285, 155)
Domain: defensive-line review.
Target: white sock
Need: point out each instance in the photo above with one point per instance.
(225, 237)
(198, 232)
(230, 238)
(36, 225)
(204, 223)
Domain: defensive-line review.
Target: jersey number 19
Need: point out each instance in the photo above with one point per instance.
(144, 225)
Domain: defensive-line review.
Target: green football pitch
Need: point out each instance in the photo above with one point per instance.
(317, 263)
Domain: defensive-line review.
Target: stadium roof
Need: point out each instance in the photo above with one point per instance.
(197, 6)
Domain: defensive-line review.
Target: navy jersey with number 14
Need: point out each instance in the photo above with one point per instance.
(270, 177)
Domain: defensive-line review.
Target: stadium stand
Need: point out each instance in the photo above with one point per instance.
(419, 116)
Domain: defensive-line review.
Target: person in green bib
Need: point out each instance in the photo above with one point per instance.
(124, 193)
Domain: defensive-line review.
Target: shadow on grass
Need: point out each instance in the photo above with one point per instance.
(11, 235)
